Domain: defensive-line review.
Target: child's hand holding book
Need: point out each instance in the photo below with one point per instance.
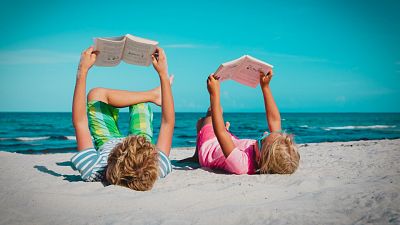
(265, 78)
(159, 60)
(213, 85)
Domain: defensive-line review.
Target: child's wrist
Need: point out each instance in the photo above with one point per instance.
(265, 88)
(163, 77)
(214, 96)
(163, 74)
(82, 68)
(82, 72)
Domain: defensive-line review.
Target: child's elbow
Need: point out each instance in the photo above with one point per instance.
(168, 122)
(79, 120)
(80, 125)
(241, 171)
(238, 169)
(168, 118)
(275, 125)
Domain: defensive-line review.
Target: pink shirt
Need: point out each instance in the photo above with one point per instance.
(239, 161)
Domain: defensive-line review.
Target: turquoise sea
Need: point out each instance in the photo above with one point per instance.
(53, 132)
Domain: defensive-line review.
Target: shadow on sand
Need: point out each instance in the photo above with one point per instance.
(70, 178)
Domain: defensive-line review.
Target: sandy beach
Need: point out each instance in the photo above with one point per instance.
(336, 183)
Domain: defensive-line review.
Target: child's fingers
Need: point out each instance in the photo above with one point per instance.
(93, 55)
(263, 75)
(161, 53)
(86, 51)
(153, 59)
(89, 50)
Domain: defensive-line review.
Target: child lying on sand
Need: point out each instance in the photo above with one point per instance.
(132, 161)
(274, 152)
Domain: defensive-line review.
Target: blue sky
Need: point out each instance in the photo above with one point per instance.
(329, 56)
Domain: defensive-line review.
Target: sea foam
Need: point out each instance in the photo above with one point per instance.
(360, 127)
(31, 138)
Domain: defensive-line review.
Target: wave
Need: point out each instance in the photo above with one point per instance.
(359, 127)
(25, 138)
(31, 139)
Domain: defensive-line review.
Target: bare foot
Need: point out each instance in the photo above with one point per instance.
(227, 125)
(157, 92)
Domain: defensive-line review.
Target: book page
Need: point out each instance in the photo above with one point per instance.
(244, 70)
(249, 74)
(141, 40)
(138, 53)
(110, 51)
(227, 70)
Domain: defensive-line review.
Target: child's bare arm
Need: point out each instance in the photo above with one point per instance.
(164, 141)
(224, 139)
(272, 112)
(79, 116)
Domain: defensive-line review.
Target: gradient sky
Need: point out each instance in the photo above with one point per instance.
(329, 56)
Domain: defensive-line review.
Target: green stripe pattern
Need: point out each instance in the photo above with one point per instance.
(141, 120)
(103, 121)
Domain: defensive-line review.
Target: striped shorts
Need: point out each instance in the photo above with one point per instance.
(103, 121)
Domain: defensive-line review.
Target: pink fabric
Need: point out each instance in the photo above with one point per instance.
(240, 161)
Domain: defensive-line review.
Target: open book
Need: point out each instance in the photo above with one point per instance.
(244, 70)
(131, 49)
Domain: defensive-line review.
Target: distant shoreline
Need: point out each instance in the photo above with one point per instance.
(72, 150)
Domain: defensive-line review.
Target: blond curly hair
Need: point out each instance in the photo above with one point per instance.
(133, 163)
(281, 156)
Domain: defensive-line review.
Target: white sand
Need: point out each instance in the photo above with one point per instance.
(337, 183)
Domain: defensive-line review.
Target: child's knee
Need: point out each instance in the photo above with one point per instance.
(97, 94)
(199, 124)
(202, 122)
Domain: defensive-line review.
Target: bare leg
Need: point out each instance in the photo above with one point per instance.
(200, 124)
(121, 98)
(208, 120)
(204, 120)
